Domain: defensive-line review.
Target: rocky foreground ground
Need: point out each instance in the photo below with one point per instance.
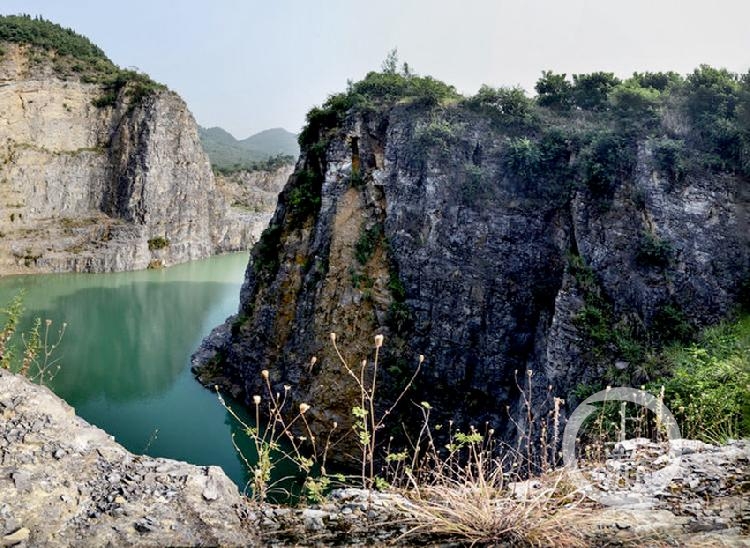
(64, 482)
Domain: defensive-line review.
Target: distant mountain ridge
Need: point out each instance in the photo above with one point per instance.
(228, 153)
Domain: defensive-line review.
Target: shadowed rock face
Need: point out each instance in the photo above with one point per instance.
(86, 187)
(432, 241)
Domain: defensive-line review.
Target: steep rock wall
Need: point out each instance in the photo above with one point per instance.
(424, 235)
(85, 187)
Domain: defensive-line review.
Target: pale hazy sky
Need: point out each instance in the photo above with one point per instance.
(251, 65)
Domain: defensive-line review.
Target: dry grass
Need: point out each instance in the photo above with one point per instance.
(487, 513)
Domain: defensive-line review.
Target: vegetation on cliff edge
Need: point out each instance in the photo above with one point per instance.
(72, 55)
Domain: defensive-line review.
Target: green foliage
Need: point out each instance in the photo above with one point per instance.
(24, 29)
(659, 81)
(653, 251)
(12, 313)
(635, 104)
(376, 90)
(367, 243)
(670, 157)
(554, 91)
(157, 243)
(438, 134)
(709, 387)
(108, 99)
(524, 159)
(590, 91)
(390, 64)
(70, 53)
(716, 100)
(264, 151)
(596, 320)
(272, 163)
(303, 198)
(388, 88)
(711, 93)
(508, 105)
(607, 159)
(670, 324)
(476, 185)
(396, 287)
(32, 353)
(266, 252)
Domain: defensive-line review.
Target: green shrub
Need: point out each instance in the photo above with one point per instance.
(508, 105)
(670, 157)
(523, 159)
(476, 186)
(49, 36)
(265, 254)
(368, 241)
(108, 99)
(157, 243)
(554, 91)
(303, 199)
(709, 388)
(590, 91)
(438, 134)
(605, 161)
(634, 105)
(653, 251)
(670, 324)
(660, 81)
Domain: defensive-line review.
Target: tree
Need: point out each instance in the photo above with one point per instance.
(554, 91)
(590, 91)
(390, 64)
(659, 81)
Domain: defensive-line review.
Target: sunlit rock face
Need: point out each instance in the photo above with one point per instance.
(119, 186)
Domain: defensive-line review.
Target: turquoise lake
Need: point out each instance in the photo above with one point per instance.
(125, 356)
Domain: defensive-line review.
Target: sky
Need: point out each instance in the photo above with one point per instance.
(249, 65)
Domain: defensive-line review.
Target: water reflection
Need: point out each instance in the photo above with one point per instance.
(125, 355)
(129, 342)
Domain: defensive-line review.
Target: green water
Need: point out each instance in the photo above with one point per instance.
(125, 356)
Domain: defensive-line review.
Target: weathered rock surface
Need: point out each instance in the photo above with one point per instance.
(85, 187)
(433, 242)
(64, 482)
(251, 197)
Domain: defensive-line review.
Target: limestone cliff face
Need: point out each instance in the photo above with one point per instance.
(409, 223)
(85, 187)
(251, 196)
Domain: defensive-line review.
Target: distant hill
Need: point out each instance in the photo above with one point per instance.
(265, 149)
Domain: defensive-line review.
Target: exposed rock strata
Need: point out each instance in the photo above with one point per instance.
(86, 188)
(479, 279)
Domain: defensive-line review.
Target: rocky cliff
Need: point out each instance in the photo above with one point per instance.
(64, 482)
(500, 239)
(101, 177)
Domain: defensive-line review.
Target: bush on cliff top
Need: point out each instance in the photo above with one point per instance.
(75, 55)
(24, 29)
